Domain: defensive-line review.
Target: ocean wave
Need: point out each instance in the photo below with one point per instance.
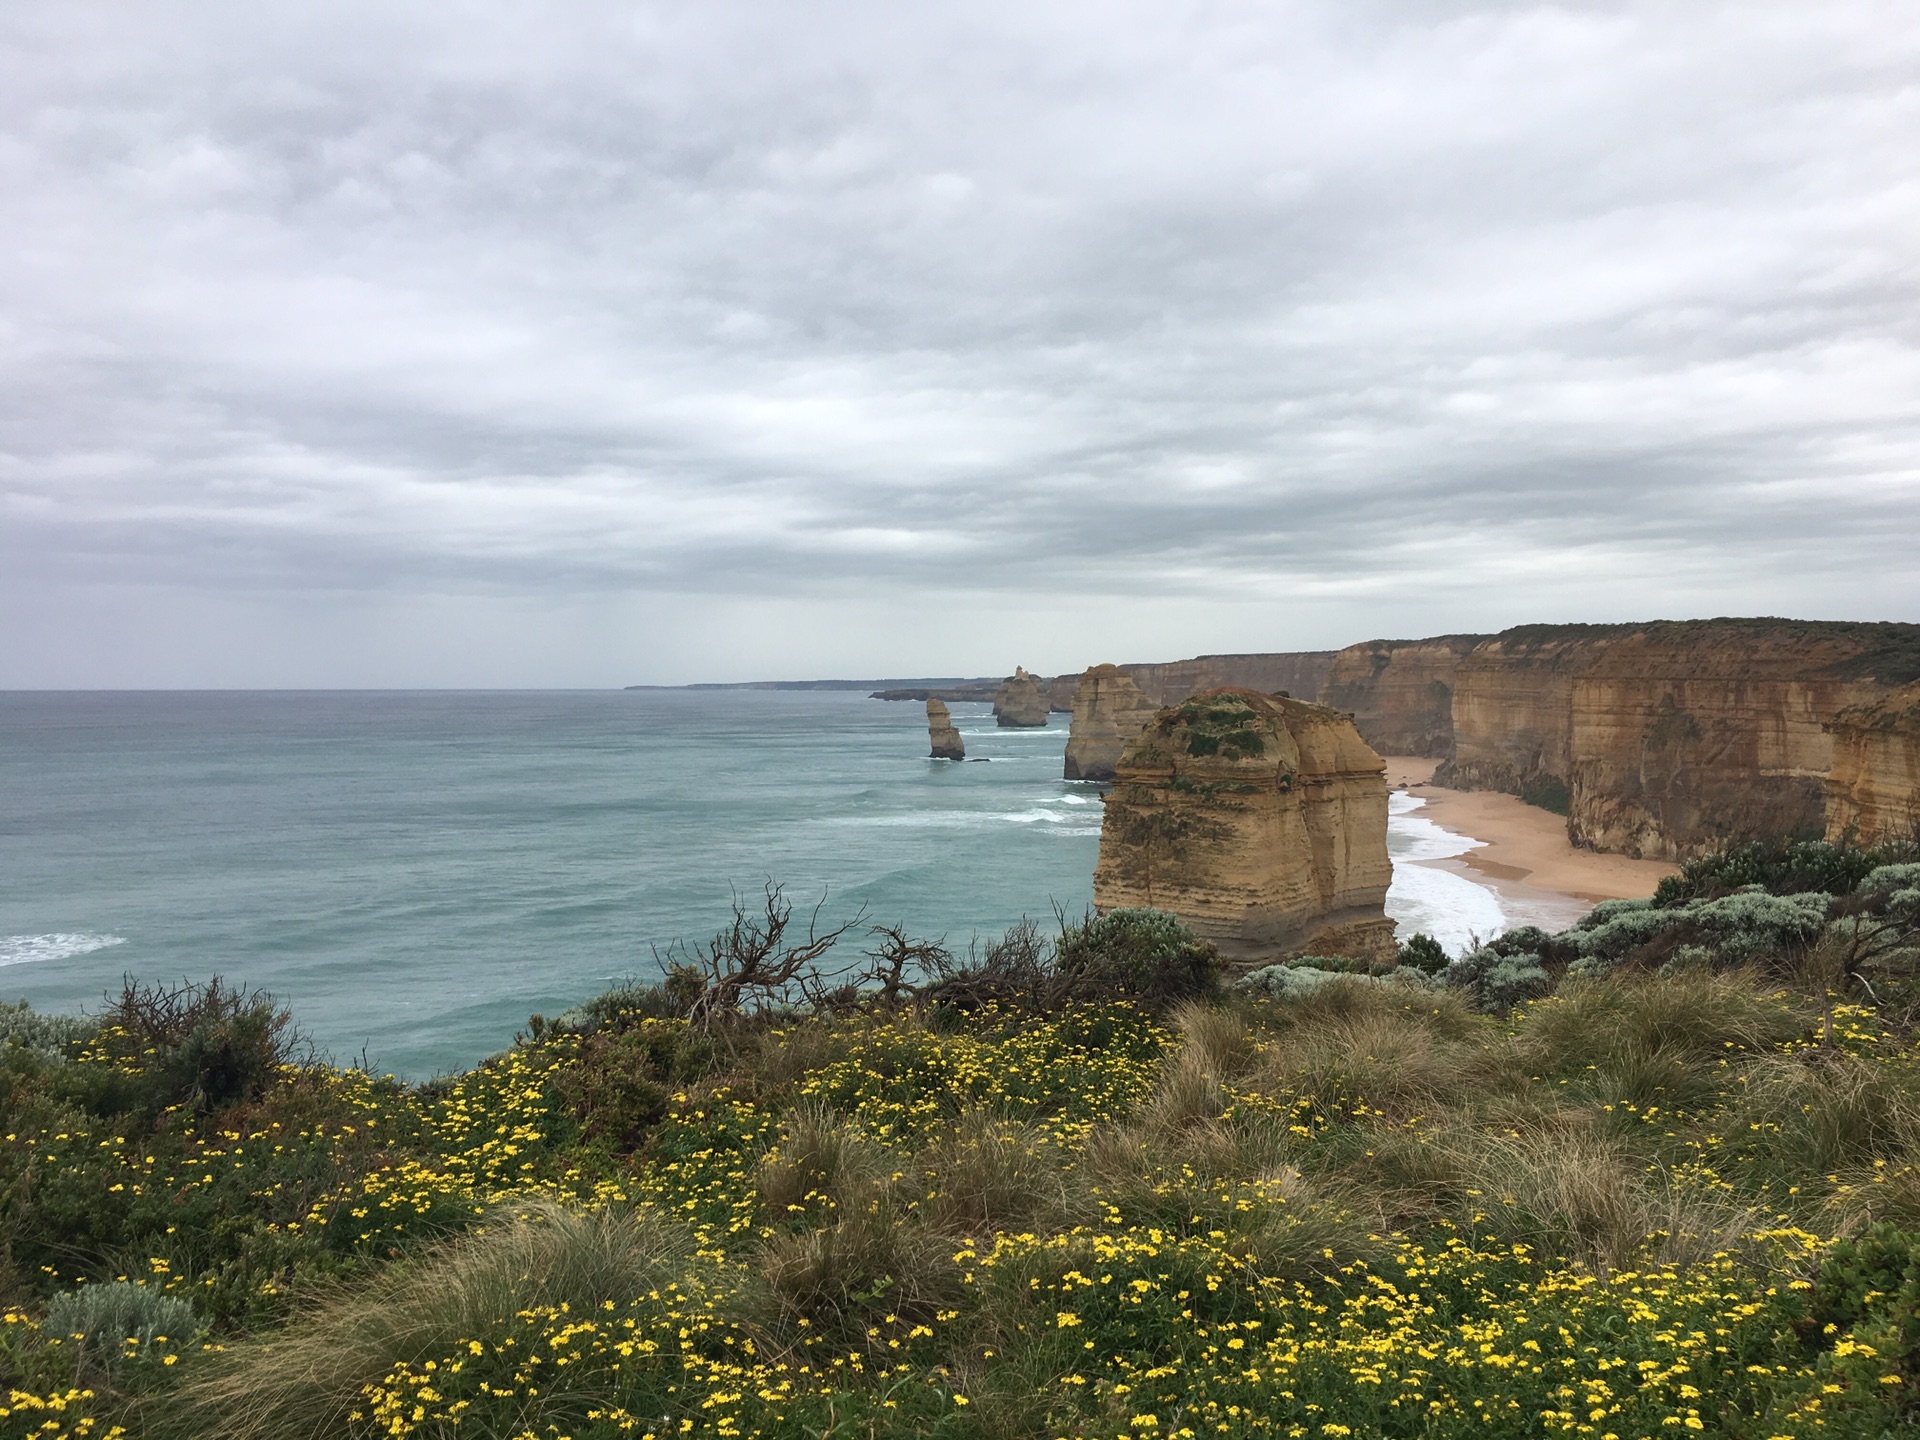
(960, 820)
(1449, 907)
(1414, 837)
(26, 949)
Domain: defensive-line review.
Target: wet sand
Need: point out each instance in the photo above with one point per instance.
(1526, 856)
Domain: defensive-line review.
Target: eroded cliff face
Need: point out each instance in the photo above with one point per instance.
(1873, 790)
(1109, 712)
(1260, 821)
(946, 741)
(1687, 736)
(1672, 738)
(1300, 673)
(1060, 692)
(1513, 706)
(1021, 704)
(1400, 692)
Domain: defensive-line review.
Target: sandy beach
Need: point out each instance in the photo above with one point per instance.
(1525, 856)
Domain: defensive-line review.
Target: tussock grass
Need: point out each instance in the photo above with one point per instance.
(304, 1383)
(992, 1174)
(823, 1166)
(1821, 1112)
(1623, 1022)
(1368, 1046)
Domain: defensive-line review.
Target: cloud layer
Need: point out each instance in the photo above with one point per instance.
(491, 344)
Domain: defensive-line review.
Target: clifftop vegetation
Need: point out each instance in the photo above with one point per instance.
(1067, 1187)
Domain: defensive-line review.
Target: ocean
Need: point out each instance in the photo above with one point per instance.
(415, 873)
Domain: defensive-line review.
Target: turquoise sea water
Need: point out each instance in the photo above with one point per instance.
(416, 873)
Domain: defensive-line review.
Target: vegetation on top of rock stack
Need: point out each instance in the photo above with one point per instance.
(1028, 1192)
(1217, 724)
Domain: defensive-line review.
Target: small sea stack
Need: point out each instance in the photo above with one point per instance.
(1021, 703)
(1260, 821)
(947, 744)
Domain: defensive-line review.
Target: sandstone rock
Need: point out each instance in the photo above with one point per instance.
(1299, 673)
(1513, 706)
(1260, 821)
(1690, 736)
(1020, 703)
(1873, 790)
(1109, 712)
(1400, 692)
(1671, 738)
(947, 744)
(1060, 692)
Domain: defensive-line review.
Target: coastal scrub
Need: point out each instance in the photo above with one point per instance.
(1639, 1204)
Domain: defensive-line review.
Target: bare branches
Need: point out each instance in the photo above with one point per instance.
(895, 958)
(753, 966)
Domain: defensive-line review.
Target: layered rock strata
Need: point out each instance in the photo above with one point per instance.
(1299, 673)
(1669, 739)
(1513, 706)
(1260, 821)
(1021, 704)
(1400, 692)
(947, 744)
(1686, 737)
(1109, 712)
(1873, 789)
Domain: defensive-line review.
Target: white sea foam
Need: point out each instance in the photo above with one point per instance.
(25, 949)
(1449, 907)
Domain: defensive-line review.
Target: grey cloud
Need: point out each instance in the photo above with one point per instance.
(1459, 312)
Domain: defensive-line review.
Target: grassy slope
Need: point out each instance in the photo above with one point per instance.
(1365, 1209)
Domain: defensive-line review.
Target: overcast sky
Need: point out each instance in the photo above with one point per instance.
(516, 344)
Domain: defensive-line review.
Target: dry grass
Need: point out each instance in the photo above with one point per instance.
(305, 1383)
(823, 1166)
(991, 1174)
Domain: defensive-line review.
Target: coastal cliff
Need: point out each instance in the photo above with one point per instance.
(946, 741)
(1400, 692)
(1300, 673)
(1260, 821)
(1672, 738)
(1687, 736)
(1873, 790)
(1020, 704)
(1109, 712)
(1513, 707)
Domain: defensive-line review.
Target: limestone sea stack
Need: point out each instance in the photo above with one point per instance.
(1109, 712)
(1873, 790)
(1260, 821)
(1021, 703)
(947, 744)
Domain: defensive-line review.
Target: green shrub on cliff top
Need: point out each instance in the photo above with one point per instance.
(1781, 867)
